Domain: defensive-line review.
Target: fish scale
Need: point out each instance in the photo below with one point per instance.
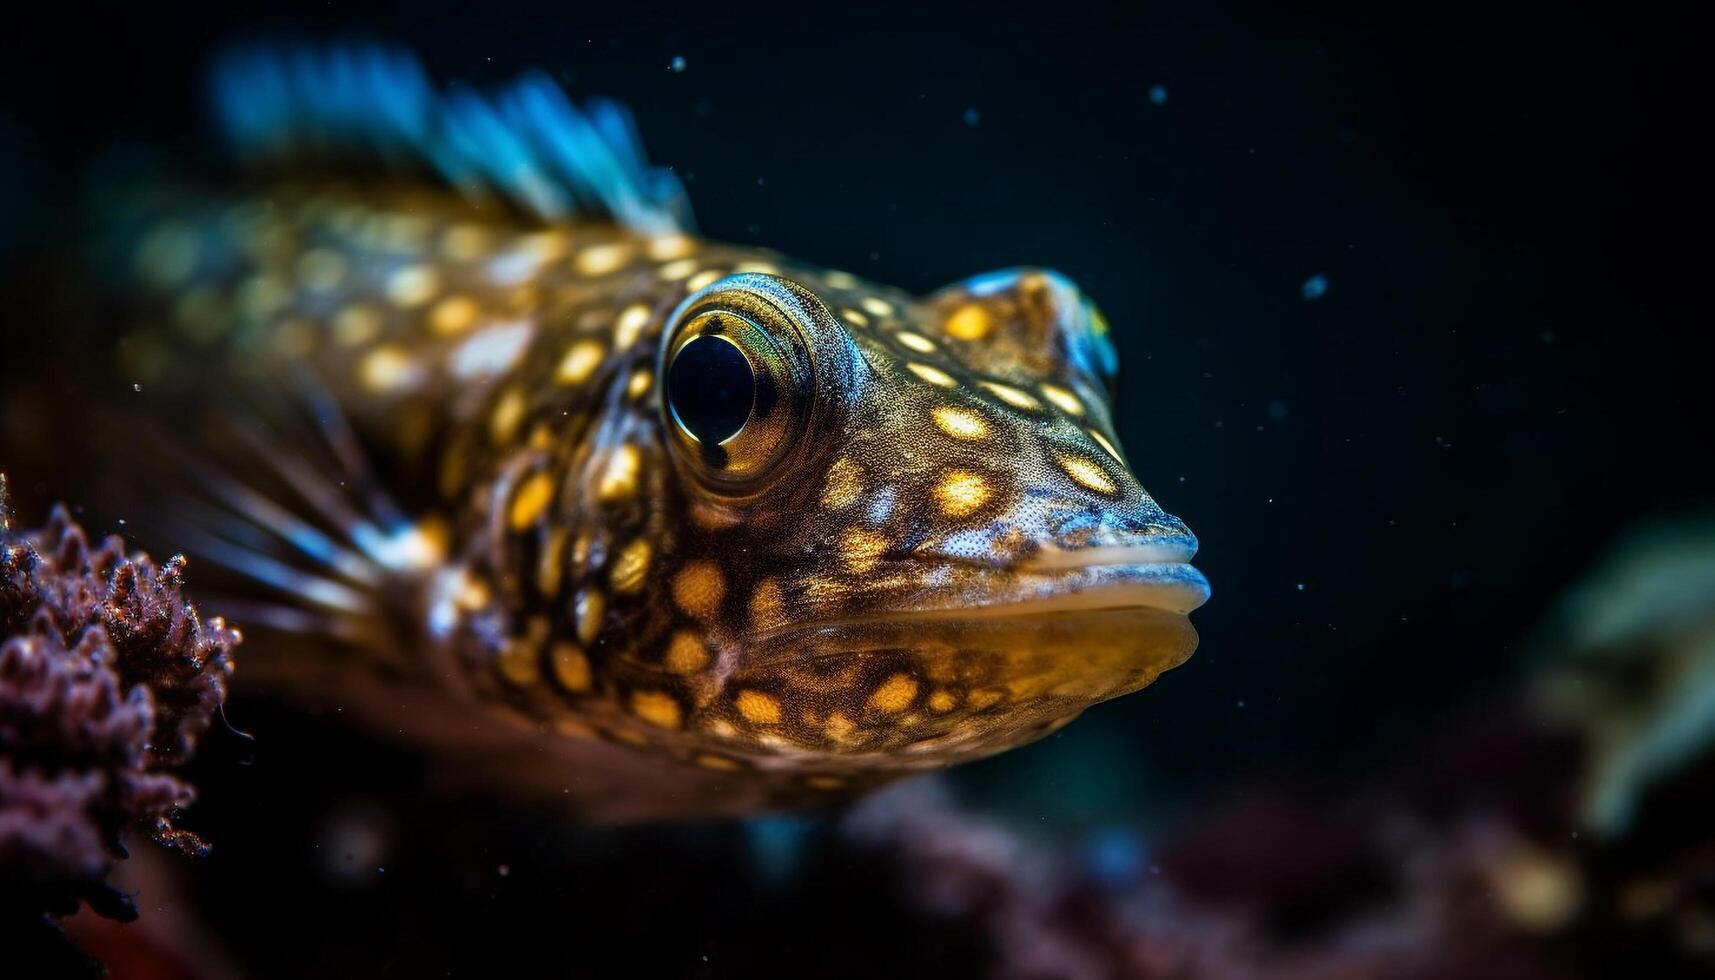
(919, 544)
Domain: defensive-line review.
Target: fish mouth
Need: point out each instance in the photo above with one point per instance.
(1166, 586)
(1141, 573)
(1153, 576)
(991, 656)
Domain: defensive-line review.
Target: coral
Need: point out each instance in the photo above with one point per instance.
(108, 678)
(1628, 660)
(1265, 888)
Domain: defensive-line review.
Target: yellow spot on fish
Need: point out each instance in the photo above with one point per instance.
(545, 246)
(630, 325)
(599, 260)
(517, 664)
(589, 608)
(402, 233)
(453, 315)
(321, 270)
(969, 322)
(758, 708)
(840, 280)
(895, 694)
(986, 698)
(701, 279)
(961, 492)
(1107, 446)
(916, 342)
(530, 501)
(1016, 397)
(876, 306)
(1088, 474)
(465, 243)
(854, 318)
(413, 285)
(508, 413)
(491, 350)
(619, 477)
(168, 256)
(571, 667)
(677, 270)
(844, 484)
(389, 368)
(933, 375)
(656, 707)
(686, 653)
(630, 568)
(472, 594)
(767, 605)
(840, 728)
(638, 386)
(262, 295)
(1063, 399)
(765, 268)
(719, 763)
(550, 567)
(664, 247)
(825, 782)
(941, 702)
(861, 549)
(356, 325)
(579, 363)
(699, 588)
(959, 423)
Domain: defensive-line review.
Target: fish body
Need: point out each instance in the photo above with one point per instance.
(679, 527)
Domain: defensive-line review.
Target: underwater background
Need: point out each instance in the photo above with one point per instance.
(1413, 316)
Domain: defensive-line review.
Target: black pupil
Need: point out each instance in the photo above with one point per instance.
(711, 389)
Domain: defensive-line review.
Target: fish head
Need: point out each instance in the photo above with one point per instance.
(909, 536)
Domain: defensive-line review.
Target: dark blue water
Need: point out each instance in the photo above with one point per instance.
(1412, 304)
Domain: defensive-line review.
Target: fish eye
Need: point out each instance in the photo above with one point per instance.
(711, 388)
(737, 376)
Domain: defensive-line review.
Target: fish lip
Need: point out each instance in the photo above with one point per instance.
(1136, 549)
(1123, 571)
(1026, 589)
(1108, 583)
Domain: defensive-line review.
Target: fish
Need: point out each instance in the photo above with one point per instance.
(656, 525)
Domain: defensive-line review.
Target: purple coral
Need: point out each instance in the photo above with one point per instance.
(108, 677)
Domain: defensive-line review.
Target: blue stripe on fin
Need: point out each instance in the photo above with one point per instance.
(528, 142)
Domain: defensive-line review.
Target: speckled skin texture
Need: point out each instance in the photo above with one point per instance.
(923, 546)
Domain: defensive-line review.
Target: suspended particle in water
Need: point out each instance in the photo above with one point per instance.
(677, 64)
(1158, 95)
(972, 117)
(1315, 287)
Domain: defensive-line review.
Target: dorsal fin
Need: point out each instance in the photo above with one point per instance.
(527, 142)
